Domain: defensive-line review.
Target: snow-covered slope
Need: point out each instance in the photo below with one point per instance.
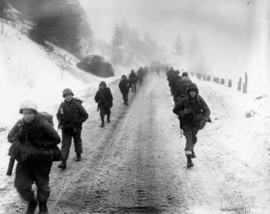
(27, 71)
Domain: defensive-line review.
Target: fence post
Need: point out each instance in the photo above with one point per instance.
(239, 84)
(222, 81)
(230, 83)
(245, 84)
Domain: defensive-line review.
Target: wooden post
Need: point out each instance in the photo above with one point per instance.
(245, 84)
(239, 84)
(230, 83)
(222, 81)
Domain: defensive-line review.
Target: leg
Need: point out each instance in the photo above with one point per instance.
(189, 144)
(41, 176)
(66, 143)
(42, 181)
(195, 130)
(78, 143)
(102, 115)
(108, 112)
(23, 182)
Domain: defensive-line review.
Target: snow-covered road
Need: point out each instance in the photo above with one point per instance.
(137, 164)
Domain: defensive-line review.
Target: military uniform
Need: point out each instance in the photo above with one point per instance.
(41, 134)
(104, 99)
(193, 114)
(124, 86)
(71, 115)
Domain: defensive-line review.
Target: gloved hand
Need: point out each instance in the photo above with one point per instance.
(202, 124)
(187, 111)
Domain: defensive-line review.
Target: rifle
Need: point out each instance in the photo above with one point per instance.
(61, 118)
(13, 151)
(10, 166)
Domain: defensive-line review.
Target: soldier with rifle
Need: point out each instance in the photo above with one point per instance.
(71, 115)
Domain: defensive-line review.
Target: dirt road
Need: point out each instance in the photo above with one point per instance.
(136, 164)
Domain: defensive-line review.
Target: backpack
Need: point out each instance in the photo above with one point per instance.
(46, 116)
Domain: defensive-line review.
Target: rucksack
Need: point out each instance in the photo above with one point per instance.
(46, 116)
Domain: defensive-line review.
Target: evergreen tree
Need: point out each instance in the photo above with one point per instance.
(57, 21)
(3, 8)
(196, 58)
(117, 46)
(178, 48)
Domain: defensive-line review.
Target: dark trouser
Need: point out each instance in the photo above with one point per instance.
(191, 138)
(27, 174)
(105, 110)
(66, 142)
(133, 86)
(125, 96)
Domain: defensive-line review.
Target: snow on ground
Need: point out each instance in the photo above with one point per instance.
(27, 72)
(241, 122)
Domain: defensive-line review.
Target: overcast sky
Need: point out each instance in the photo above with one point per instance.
(226, 29)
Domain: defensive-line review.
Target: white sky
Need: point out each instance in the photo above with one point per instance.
(226, 29)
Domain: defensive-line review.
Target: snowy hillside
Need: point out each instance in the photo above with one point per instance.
(29, 72)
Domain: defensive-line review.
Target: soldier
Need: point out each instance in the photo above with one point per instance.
(71, 115)
(140, 74)
(104, 99)
(41, 135)
(181, 87)
(193, 113)
(133, 80)
(124, 86)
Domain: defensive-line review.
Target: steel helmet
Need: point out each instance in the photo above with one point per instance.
(28, 104)
(184, 74)
(192, 86)
(102, 83)
(67, 91)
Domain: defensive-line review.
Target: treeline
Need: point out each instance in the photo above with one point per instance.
(130, 46)
(61, 22)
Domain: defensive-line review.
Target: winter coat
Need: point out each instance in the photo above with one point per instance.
(39, 132)
(73, 113)
(198, 107)
(140, 74)
(133, 78)
(124, 86)
(104, 97)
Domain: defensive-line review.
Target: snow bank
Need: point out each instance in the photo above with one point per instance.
(241, 123)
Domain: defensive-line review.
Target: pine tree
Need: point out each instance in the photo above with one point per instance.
(3, 8)
(117, 46)
(57, 21)
(178, 48)
(196, 58)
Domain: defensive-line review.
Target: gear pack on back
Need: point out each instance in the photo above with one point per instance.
(46, 116)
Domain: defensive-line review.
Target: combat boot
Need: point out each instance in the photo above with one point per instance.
(189, 161)
(43, 209)
(63, 165)
(193, 154)
(79, 157)
(32, 205)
